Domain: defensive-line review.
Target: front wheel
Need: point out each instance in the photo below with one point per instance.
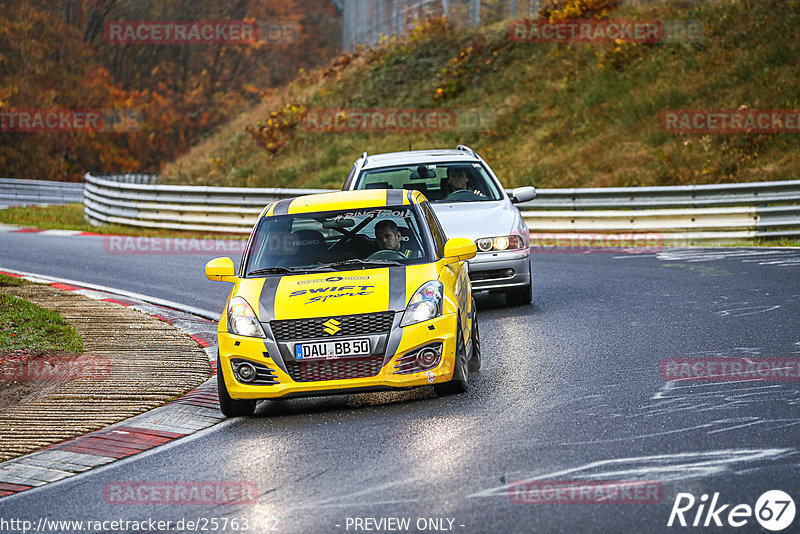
(457, 384)
(228, 406)
(475, 360)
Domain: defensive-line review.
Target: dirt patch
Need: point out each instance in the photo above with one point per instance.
(27, 375)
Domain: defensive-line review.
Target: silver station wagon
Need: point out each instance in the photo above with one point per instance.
(470, 202)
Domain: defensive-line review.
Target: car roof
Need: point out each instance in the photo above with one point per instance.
(342, 200)
(415, 157)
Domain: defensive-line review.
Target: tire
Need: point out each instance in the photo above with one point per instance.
(475, 360)
(459, 382)
(228, 406)
(521, 296)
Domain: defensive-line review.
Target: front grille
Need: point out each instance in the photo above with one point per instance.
(493, 274)
(313, 371)
(349, 325)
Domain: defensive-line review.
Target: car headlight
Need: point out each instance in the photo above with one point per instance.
(425, 304)
(242, 320)
(503, 242)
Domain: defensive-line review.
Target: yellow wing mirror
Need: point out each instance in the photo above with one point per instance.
(459, 249)
(221, 270)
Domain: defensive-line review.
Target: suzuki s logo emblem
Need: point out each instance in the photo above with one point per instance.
(331, 326)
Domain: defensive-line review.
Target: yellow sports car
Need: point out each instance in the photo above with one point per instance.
(345, 292)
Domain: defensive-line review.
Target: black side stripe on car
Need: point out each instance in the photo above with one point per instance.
(397, 302)
(394, 197)
(266, 302)
(282, 207)
(397, 288)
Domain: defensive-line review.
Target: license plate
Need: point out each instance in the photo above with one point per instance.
(345, 348)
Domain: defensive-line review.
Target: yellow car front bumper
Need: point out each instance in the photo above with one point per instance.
(439, 330)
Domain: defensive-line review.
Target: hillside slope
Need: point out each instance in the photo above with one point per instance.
(567, 115)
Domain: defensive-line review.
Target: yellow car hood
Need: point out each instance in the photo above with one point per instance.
(342, 293)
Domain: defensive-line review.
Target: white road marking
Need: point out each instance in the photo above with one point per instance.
(664, 468)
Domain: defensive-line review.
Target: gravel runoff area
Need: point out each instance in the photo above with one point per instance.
(132, 363)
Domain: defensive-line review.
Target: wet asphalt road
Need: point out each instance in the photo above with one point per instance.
(570, 390)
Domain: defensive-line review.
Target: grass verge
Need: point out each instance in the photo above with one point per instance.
(26, 326)
(12, 281)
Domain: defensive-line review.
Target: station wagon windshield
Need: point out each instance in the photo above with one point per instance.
(442, 183)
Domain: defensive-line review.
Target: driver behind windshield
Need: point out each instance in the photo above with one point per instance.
(388, 236)
(458, 182)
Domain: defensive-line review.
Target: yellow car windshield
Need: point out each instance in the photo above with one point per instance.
(333, 240)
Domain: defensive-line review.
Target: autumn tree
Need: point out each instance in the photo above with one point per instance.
(55, 55)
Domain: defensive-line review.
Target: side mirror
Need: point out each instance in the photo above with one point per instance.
(523, 194)
(221, 270)
(459, 249)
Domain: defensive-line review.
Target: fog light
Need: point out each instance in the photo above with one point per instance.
(245, 372)
(427, 358)
(509, 273)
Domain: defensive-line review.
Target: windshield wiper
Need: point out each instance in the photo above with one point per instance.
(366, 263)
(286, 270)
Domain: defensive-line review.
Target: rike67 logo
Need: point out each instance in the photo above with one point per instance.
(774, 510)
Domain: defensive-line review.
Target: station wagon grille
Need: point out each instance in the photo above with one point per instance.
(349, 325)
(313, 371)
(494, 274)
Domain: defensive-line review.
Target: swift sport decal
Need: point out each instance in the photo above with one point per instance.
(321, 294)
(331, 294)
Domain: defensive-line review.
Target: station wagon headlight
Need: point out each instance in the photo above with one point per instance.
(503, 242)
(425, 304)
(242, 320)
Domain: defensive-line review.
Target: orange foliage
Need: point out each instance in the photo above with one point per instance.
(54, 55)
(576, 9)
(278, 128)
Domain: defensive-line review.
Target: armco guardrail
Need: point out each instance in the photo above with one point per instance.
(681, 213)
(680, 196)
(179, 207)
(676, 213)
(133, 178)
(14, 192)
